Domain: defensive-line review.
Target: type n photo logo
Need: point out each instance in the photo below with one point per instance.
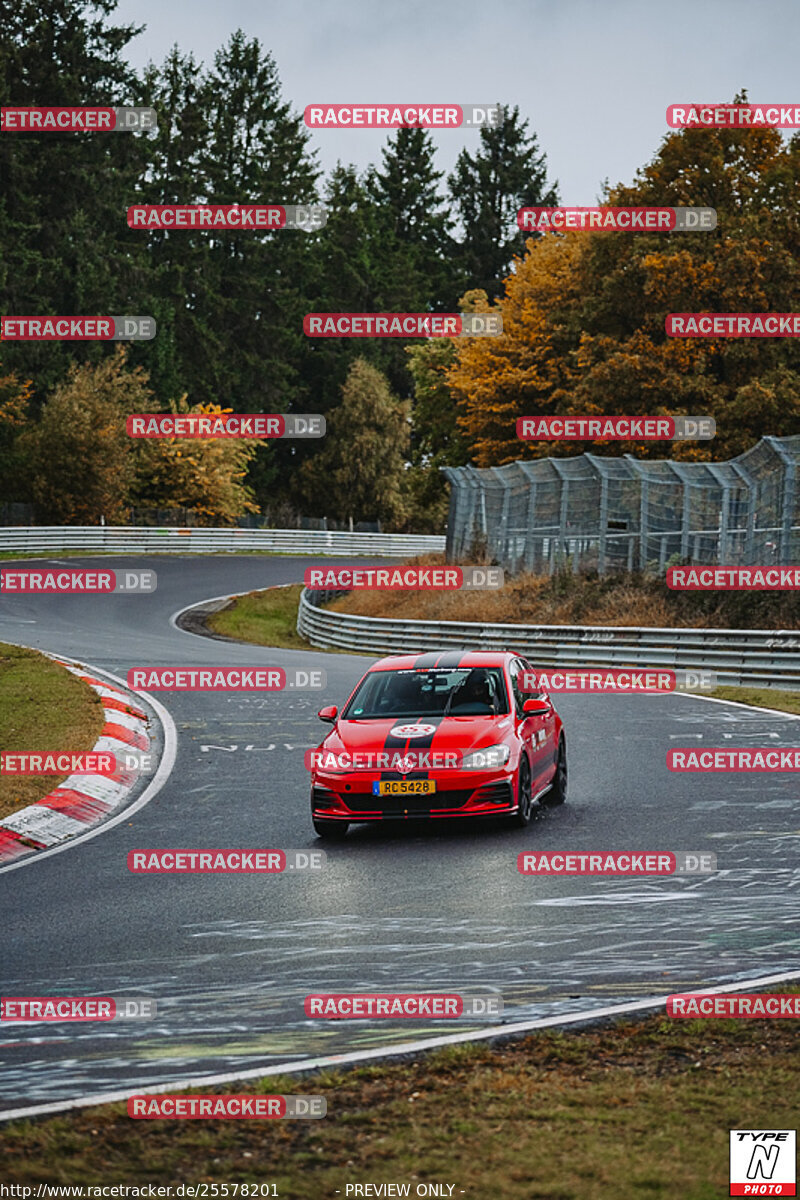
(762, 1162)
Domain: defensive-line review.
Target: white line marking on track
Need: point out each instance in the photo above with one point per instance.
(213, 600)
(775, 712)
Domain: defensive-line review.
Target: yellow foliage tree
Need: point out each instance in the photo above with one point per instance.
(82, 465)
(525, 371)
(204, 474)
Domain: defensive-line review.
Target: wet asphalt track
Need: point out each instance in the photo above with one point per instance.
(229, 958)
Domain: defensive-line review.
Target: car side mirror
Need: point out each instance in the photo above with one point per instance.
(328, 713)
(536, 707)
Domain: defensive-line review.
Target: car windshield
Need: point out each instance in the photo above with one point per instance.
(437, 692)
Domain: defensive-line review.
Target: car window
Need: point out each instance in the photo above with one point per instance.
(435, 692)
(520, 697)
(524, 673)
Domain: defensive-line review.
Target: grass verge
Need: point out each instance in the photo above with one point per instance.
(265, 618)
(42, 707)
(761, 697)
(630, 1110)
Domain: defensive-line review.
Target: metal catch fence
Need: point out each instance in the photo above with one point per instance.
(607, 514)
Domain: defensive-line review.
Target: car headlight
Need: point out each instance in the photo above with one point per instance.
(489, 758)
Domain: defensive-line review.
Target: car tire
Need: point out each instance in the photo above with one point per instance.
(332, 831)
(558, 790)
(522, 816)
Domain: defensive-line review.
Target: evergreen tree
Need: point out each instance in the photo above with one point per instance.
(175, 272)
(358, 474)
(507, 173)
(235, 296)
(66, 247)
(417, 249)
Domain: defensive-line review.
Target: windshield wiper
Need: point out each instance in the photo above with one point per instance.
(460, 684)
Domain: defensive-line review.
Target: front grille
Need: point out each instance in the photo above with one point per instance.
(414, 805)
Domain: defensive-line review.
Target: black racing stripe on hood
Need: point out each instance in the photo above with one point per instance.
(421, 743)
(426, 660)
(451, 658)
(418, 743)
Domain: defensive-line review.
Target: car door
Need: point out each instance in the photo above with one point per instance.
(536, 730)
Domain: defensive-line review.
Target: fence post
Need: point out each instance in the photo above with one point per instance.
(602, 538)
(503, 533)
(470, 530)
(562, 517)
(530, 544)
(787, 507)
(750, 527)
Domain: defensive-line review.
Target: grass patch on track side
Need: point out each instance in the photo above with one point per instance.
(761, 697)
(42, 707)
(638, 1108)
(265, 618)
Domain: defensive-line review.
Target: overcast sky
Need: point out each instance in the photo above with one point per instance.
(593, 77)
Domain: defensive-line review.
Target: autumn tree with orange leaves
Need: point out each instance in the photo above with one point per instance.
(584, 314)
(15, 395)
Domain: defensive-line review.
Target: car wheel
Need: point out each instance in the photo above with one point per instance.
(524, 798)
(558, 790)
(332, 831)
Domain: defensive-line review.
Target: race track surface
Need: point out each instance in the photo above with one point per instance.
(229, 958)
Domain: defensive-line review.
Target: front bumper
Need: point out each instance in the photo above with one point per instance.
(348, 797)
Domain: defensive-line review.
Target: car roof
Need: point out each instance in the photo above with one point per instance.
(444, 658)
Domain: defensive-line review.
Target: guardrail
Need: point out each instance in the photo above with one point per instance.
(130, 539)
(766, 657)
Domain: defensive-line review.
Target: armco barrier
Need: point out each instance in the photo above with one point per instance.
(124, 539)
(767, 657)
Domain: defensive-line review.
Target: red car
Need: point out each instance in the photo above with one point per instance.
(443, 734)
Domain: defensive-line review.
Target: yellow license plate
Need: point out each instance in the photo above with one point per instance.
(403, 787)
